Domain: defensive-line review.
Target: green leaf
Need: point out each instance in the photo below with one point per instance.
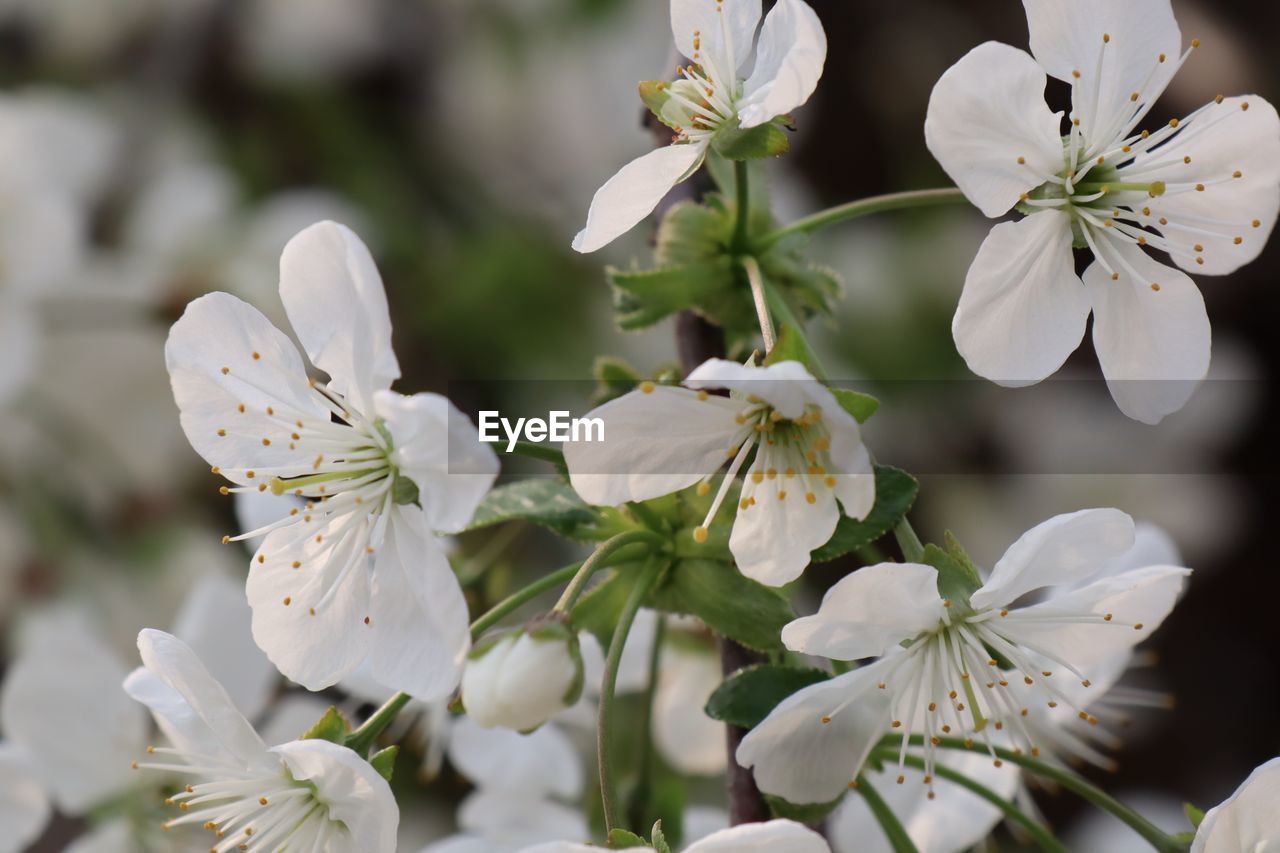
(1195, 815)
(644, 297)
(955, 584)
(332, 727)
(692, 233)
(895, 493)
(544, 501)
(810, 813)
(861, 406)
(731, 604)
(621, 839)
(756, 143)
(746, 697)
(658, 840)
(792, 345)
(614, 377)
(384, 761)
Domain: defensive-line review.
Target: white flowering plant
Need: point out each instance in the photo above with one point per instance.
(748, 597)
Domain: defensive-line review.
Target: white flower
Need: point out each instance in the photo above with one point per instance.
(685, 737)
(714, 93)
(809, 454)
(496, 822)
(306, 794)
(945, 666)
(1205, 189)
(956, 819)
(1248, 820)
(775, 836)
(521, 679)
(359, 573)
(24, 808)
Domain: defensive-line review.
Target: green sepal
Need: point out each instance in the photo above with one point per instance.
(556, 627)
(655, 94)
(745, 698)
(861, 406)
(621, 839)
(1195, 815)
(544, 501)
(809, 813)
(895, 493)
(332, 727)
(657, 840)
(792, 345)
(730, 603)
(955, 584)
(756, 143)
(481, 647)
(953, 547)
(404, 491)
(692, 233)
(614, 377)
(384, 761)
(642, 298)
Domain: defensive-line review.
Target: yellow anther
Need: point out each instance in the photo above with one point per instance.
(699, 534)
(647, 387)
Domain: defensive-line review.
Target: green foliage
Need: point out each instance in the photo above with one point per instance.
(895, 493)
(861, 406)
(550, 503)
(745, 698)
(955, 583)
(621, 839)
(658, 840)
(731, 604)
(810, 813)
(614, 377)
(756, 143)
(384, 761)
(1195, 815)
(598, 609)
(332, 727)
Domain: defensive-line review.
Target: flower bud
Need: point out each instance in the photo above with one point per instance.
(521, 679)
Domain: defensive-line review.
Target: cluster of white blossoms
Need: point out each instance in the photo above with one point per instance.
(937, 675)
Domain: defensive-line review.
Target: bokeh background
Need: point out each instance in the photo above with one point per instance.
(463, 140)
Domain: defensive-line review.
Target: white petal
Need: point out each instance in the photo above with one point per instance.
(1153, 344)
(789, 59)
(635, 191)
(1221, 141)
(318, 650)
(421, 636)
(543, 762)
(773, 537)
(1152, 546)
(354, 792)
(1023, 308)
(505, 822)
(1139, 597)
(82, 758)
(1248, 820)
(1065, 549)
(957, 819)
(438, 447)
(24, 808)
(787, 385)
(292, 716)
(42, 239)
(654, 443)
(117, 836)
(688, 740)
(633, 669)
(803, 760)
(869, 612)
(1069, 36)
(215, 622)
(219, 332)
(985, 113)
(851, 462)
(198, 711)
(774, 835)
(337, 306)
(707, 23)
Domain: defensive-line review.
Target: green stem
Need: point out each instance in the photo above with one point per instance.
(1074, 783)
(756, 280)
(608, 685)
(893, 829)
(596, 560)
(1034, 828)
(908, 541)
(861, 207)
(640, 807)
(784, 316)
(742, 201)
(363, 738)
(521, 596)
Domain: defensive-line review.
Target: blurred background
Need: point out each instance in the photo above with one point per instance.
(154, 150)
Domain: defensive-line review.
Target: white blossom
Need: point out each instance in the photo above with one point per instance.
(1247, 820)
(774, 835)
(523, 678)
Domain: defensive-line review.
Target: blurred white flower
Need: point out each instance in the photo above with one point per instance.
(686, 738)
(807, 447)
(520, 679)
(311, 794)
(774, 835)
(928, 646)
(359, 573)
(1202, 188)
(24, 806)
(308, 40)
(1247, 820)
(65, 142)
(714, 93)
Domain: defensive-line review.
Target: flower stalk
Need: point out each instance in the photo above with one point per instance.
(597, 560)
(859, 208)
(894, 831)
